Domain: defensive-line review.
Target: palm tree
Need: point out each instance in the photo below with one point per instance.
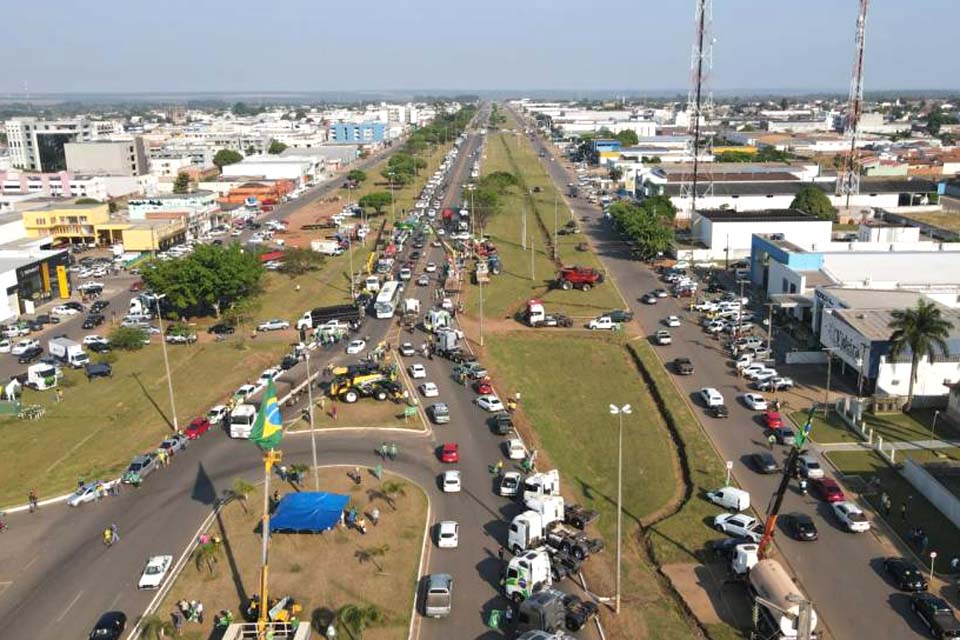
(919, 331)
(355, 618)
(155, 627)
(207, 554)
(370, 554)
(241, 490)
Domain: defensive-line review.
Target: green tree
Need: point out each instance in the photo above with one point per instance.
(616, 173)
(240, 491)
(276, 147)
(87, 201)
(156, 628)
(297, 261)
(372, 554)
(207, 555)
(242, 312)
(377, 201)
(499, 181)
(919, 332)
(251, 151)
(628, 138)
(357, 618)
(127, 338)
(815, 202)
(648, 224)
(226, 156)
(357, 175)
(182, 183)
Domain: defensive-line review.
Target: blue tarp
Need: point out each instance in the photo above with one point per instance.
(308, 511)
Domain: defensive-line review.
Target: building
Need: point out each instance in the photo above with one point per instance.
(356, 132)
(66, 184)
(332, 157)
(199, 209)
(31, 276)
(144, 236)
(65, 222)
(38, 145)
(109, 158)
(264, 192)
(300, 169)
(728, 235)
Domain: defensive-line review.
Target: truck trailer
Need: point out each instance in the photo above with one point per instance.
(347, 313)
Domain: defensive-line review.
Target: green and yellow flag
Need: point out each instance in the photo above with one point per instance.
(268, 429)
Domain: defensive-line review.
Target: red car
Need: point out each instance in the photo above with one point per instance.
(483, 387)
(828, 489)
(137, 286)
(450, 452)
(772, 420)
(198, 427)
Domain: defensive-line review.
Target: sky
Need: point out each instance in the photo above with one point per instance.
(419, 45)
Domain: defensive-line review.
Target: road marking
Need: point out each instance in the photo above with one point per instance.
(64, 613)
(27, 566)
(115, 600)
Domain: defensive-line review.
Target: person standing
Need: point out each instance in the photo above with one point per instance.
(33, 500)
(115, 532)
(375, 516)
(177, 617)
(903, 511)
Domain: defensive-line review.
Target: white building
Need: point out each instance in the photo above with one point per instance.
(38, 145)
(728, 235)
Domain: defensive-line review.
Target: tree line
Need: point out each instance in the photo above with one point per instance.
(648, 224)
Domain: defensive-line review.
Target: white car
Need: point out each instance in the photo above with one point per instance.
(672, 321)
(739, 524)
(601, 323)
(418, 371)
(236, 233)
(155, 571)
(851, 516)
(448, 534)
(273, 325)
(431, 267)
(662, 337)
(711, 397)
(447, 304)
(405, 274)
(5, 346)
(244, 391)
(490, 403)
(764, 374)
(87, 493)
(64, 310)
(23, 346)
(450, 480)
(774, 384)
(356, 346)
(510, 484)
(94, 338)
(515, 449)
(809, 467)
(429, 390)
(217, 414)
(755, 401)
(269, 374)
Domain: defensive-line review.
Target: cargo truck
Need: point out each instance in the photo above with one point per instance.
(554, 611)
(68, 351)
(346, 313)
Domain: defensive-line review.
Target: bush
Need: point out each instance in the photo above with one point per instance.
(127, 338)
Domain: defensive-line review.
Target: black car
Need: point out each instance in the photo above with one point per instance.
(905, 575)
(73, 304)
(99, 347)
(289, 362)
(619, 315)
(222, 329)
(683, 366)
(414, 255)
(110, 626)
(502, 423)
(936, 614)
(46, 318)
(99, 306)
(764, 462)
(30, 355)
(98, 370)
(719, 411)
(725, 547)
(801, 527)
(93, 320)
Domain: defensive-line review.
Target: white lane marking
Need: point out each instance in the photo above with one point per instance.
(64, 613)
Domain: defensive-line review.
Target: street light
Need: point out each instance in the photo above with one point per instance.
(860, 380)
(166, 362)
(933, 558)
(313, 433)
(933, 429)
(619, 412)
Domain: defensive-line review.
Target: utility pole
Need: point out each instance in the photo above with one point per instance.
(523, 227)
(532, 271)
(480, 282)
(313, 433)
(619, 412)
(556, 207)
(741, 282)
(769, 326)
(826, 393)
(166, 362)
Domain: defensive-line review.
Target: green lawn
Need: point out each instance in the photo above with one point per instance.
(920, 513)
(507, 293)
(892, 427)
(404, 197)
(567, 405)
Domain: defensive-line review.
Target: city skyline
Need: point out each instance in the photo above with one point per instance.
(191, 48)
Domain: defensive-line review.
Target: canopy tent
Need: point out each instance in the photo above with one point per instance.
(308, 511)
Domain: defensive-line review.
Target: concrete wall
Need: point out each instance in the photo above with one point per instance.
(932, 490)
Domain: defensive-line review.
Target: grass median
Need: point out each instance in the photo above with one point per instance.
(567, 383)
(323, 572)
(893, 427)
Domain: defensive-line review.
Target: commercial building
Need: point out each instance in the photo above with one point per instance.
(108, 158)
(728, 235)
(66, 184)
(263, 192)
(356, 132)
(199, 209)
(29, 277)
(300, 169)
(38, 145)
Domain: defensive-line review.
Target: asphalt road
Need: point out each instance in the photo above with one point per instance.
(841, 571)
(56, 578)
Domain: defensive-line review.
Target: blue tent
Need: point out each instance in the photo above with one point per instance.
(308, 511)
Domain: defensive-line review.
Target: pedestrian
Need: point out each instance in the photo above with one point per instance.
(955, 564)
(393, 450)
(59, 395)
(885, 503)
(80, 483)
(500, 553)
(903, 511)
(177, 616)
(383, 450)
(771, 440)
(115, 532)
(362, 525)
(356, 475)
(375, 516)
(98, 492)
(200, 612)
(333, 411)
(115, 488)
(322, 403)
(32, 498)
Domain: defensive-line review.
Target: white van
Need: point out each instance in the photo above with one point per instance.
(730, 498)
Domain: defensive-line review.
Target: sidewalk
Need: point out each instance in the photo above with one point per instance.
(900, 446)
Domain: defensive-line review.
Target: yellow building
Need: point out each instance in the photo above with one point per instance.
(66, 223)
(149, 235)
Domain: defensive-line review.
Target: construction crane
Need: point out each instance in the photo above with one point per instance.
(848, 182)
(789, 468)
(699, 102)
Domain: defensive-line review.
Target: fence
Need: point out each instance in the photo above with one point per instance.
(923, 481)
(806, 357)
(276, 630)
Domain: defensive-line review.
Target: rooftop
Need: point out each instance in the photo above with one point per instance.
(782, 187)
(895, 268)
(768, 215)
(875, 323)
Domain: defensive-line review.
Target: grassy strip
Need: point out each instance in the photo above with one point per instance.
(865, 465)
(322, 572)
(898, 427)
(571, 422)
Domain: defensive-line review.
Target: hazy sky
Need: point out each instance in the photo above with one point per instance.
(240, 45)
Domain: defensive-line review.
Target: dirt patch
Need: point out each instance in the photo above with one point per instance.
(711, 597)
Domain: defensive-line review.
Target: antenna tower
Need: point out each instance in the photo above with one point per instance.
(699, 105)
(848, 182)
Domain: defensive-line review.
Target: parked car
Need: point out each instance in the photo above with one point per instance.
(356, 346)
(98, 370)
(904, 574)
(139, 468)
(489, 403)
(515, 449)
(739, 524)
(197, 427)
(217, 414)
(93, 320)
(851, 516)
(221, 329)
(23, 346)
(509, 485)
(776, 383)
(174, 444)
(155, 572)
(764, 462)
(936, 614)
(87, 493)
(30, 355)
(801, 527)
(783, 435)
(828, 489)
(181, 338)
(273, 325)
(809, 467)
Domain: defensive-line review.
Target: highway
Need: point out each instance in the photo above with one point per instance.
(841, 571)
(56, 577)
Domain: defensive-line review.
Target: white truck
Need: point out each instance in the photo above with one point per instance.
(546, 483)
(241, 420)
(526, 574)
(326, 247)
(411, 307)
(41, 376)
(69, 352)
(530, 530)
(777, 596)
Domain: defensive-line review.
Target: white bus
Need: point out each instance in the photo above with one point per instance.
(388, 299)
(241, 420)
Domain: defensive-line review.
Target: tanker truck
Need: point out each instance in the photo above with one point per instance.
(778, 599)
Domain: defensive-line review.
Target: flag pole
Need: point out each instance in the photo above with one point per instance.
(270, 457)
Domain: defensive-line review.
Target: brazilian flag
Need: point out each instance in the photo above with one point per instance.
(268, 429)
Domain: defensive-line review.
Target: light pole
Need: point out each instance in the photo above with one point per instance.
(933, 429)
(352, 275)
(313, 433)
(933, 558)
(619, 412)
(166, 361)
(860, 382)
(826, 392)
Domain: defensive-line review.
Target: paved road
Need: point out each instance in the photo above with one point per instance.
(840, 571)
(56, 578)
